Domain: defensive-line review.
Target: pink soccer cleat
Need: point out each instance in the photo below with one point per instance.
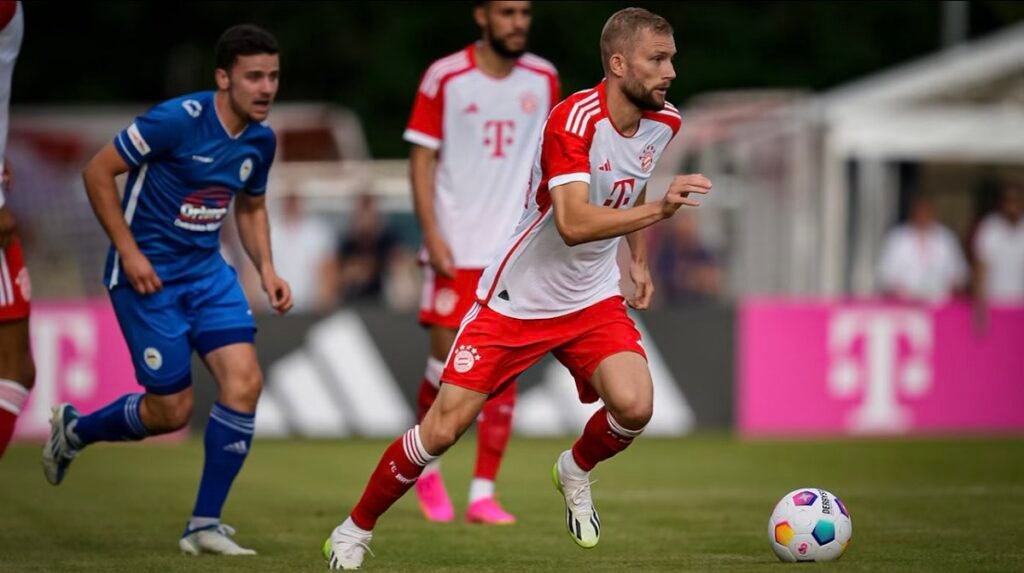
(433, 497)
(489, 512)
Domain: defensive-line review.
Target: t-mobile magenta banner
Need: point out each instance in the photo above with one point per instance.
(80, 357)
(873, 368)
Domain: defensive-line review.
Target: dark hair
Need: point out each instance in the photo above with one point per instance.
(622, 28)
(242, 40)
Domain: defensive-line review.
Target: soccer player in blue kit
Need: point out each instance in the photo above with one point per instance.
(171, 290)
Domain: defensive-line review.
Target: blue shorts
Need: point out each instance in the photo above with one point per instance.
(162, 329)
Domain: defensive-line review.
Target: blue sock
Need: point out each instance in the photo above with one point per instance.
(228, 439)
(118, 421)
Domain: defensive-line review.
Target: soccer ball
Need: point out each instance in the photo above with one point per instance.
(810, 524)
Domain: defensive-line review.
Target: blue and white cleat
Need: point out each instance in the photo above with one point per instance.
(215, 539)
(57, 451)
(345, 550)
(581, 517)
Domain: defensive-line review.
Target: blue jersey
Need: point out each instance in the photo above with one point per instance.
(185, 170)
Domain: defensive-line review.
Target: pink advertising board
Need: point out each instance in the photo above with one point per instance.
(80, 358)
(809, 368)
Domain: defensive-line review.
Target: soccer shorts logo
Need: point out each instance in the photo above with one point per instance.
(465, 358)
(24, 284)
(153, 358)
(445, 301)
(245, 170)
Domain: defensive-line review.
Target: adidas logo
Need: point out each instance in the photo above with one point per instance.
(606, 167)
(472, 108)
(238, 447)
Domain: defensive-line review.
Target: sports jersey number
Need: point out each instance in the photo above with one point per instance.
(622, 190)
(498, 134)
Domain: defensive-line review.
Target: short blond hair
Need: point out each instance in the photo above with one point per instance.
(623, 27)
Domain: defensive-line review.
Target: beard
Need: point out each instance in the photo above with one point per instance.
(501, 47)
(641, 98)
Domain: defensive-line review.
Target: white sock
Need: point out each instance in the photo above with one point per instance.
(480, 488)
(198, 522)
(12, 396)
(568, 467)
(432, 467)
(351, 528)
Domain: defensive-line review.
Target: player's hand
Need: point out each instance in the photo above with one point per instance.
(641, 277)
(441, 259)
(279, 292)
(679, 190)
(6, 177)
(141, 274)
(8, 227)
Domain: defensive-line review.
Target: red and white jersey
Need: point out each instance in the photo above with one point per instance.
(540, 276)
(12, 27)
(486, 130)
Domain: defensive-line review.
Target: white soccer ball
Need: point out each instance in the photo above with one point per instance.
(810, 524)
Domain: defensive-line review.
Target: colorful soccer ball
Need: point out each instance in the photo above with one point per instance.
(810, 524)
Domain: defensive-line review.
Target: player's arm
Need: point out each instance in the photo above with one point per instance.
(639, 272)
(580, 222)
(101, 188)
(422, 164)
(254, 231)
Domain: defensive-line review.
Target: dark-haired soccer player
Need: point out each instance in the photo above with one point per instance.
(173, 294)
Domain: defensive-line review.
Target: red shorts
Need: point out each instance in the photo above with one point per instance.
(492, 349)
(445, 301)
(15, 286)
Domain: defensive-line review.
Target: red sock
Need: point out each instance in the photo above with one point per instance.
(429, 387)
(602, 438)
(396, 472)
(12, 398)
(493, 429)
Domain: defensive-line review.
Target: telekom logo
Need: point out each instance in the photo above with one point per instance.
(893, 360)
(498, 135)
(621, 192)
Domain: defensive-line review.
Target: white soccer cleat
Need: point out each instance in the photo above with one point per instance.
(215, 539)
(581, 517)
(345, 550)
(57, 452)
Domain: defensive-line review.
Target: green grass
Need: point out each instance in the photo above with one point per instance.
(698, 504)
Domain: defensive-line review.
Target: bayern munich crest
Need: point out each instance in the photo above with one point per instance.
(445, 301)
(465, 358)
(647, 159)
(528, 102)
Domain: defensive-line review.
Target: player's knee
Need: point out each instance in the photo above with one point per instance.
(440, 436)
(168, 413)
(243, 388)
(634, 414)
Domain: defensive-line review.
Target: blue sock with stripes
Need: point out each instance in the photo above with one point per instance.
(227, 441)
(118, 421)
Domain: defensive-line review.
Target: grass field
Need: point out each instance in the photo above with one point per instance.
(698, 504)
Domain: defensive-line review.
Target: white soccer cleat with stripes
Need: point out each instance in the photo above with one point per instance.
(214, 539)
(57, 451)
(345, 550)
(581, 517)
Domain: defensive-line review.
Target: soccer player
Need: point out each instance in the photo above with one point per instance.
(555, 287)
(17, 371)
(172, 292)
(474, 130)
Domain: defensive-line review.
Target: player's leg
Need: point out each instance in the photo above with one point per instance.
(493, 430)
(431, 492)
(17, 370)
(156, 334)
(17, 375)
(607, 362)
(489, 352)
(223, 335)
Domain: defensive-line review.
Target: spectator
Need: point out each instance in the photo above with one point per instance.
(301, 244)
(921, 259)
(363, 256)
(689, 271)
(999, 250)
